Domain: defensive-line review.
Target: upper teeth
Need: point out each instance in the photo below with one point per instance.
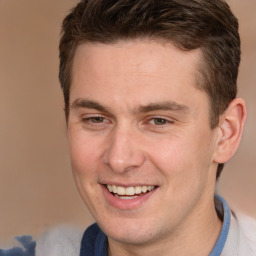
(129, 191)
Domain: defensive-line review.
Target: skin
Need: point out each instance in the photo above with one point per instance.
(137, 118)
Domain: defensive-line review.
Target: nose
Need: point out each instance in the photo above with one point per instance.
(124, 151)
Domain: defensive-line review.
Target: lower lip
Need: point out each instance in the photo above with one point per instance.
(126, 204)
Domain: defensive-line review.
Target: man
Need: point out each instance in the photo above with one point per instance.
(152, 116)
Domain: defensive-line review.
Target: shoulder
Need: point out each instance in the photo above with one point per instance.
(59, 241)
(68, 241)
(63, 240)
(94, 241)
(247, 231)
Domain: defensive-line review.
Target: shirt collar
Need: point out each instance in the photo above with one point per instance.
(223, 212)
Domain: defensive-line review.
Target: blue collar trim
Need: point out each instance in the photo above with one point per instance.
(225, 228)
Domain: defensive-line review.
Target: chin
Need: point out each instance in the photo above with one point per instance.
(133, 232)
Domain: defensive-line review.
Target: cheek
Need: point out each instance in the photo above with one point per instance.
(84, 154)
(173, 154)
(85, 166)
(183, 159)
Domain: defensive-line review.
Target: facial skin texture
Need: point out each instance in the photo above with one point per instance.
(137, 118)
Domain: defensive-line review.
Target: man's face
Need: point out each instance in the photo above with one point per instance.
(139, 126)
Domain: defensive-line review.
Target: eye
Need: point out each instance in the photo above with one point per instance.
(96, 119)
(158, 121)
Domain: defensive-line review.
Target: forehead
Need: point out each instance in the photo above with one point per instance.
(135, 68)
(139, 53)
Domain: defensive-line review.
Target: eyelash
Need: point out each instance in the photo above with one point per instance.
(89, 120)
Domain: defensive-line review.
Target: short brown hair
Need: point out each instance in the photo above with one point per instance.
(206, 24)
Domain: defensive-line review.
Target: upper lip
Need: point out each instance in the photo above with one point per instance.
(128, 185)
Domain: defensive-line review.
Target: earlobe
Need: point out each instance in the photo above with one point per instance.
(230, 130)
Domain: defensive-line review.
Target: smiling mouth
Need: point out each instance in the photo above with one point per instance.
(128, 192)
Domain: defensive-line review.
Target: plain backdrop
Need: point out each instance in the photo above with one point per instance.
(36, 185)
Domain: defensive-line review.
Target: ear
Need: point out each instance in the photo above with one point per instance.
(230, 131)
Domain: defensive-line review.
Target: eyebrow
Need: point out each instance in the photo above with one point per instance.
(164, 106)
(85, 103)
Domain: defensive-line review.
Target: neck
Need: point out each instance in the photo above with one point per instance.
(196, 235)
